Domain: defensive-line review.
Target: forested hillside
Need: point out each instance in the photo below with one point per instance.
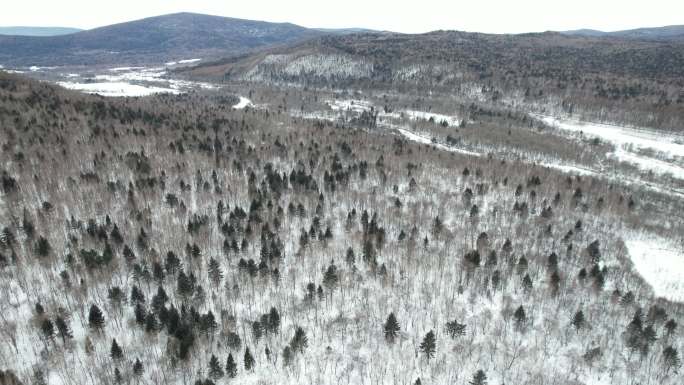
(175, 239)
(606, 78)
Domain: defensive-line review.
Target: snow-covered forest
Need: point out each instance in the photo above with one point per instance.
(175, 239)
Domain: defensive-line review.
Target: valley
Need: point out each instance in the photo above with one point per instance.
(295, 205)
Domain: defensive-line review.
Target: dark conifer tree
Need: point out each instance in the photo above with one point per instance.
(95, 318)
(520, 317)
(429, 345)
(115, 352)
(215, 273)
(273, 321)
(48, 329)
(299, 341)
(118, 378)
(215, 369)
(391, 328)
(63, 329)
(578, 320)
(231, 366)
(138, 368)
(139, 312)
(479, 378)
(249, 360)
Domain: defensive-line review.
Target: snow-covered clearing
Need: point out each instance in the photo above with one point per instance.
(410, 135)
(628, 141)
(661, 264)
(134, 81)
(186, 61)
(650, 164)
(437, 118)
(244, 102)
(569, 168)
(114, 89)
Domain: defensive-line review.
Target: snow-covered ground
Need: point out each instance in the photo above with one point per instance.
(244, 102)
(569, 168)
(437, 118)
(184, 61)
(133, 81)
(359, 106)
(419, 138)
(114, 89)
(628, 141)
(661, 264)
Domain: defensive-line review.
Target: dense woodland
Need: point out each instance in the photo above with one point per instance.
(175, 240)
(638, 82)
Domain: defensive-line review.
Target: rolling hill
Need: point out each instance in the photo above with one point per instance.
(151, 40)
(572, 73)
(670, 32)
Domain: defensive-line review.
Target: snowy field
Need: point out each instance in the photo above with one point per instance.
(628, 141)
(114, 89)
(126, 81)
(244, 102)
(661, 264)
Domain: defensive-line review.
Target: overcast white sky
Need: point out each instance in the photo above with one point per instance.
(494, 16)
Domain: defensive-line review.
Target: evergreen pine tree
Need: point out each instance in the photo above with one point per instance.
(670, 326)
(231, 366)
(671, 359)
(138, 368)
(118, 378)
(48, 329)
(151, 325)
(249, 360)
(578, 320)
(479, 378)
(139, 312)
(455, 329)
(63, 329)
(95, 318)
(273, 321)
(215, 370)
(429, 345)
(257, 331)
(299, 341)
(287, 356)
(215, 273)
(330, 278)
(115, 352)
(391, 328)
(520, 317)
(527, 283)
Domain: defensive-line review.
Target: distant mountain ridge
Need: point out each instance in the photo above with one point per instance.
(37, 31)
(670, 32)
(152, 40)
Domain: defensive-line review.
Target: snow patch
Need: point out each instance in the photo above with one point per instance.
(620, 136)
(114, 89)
(649, 164)
(661, 264)
(437, 118)
(628, 141)
(422, 139)
(244, 102)
(569, 168)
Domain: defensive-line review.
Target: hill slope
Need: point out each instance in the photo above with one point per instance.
(153, 240)
(573, 72)
(151, 40)
(670, 32)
